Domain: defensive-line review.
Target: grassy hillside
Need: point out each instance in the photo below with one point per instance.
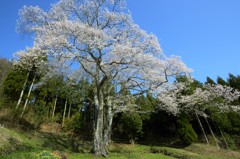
(30, 145)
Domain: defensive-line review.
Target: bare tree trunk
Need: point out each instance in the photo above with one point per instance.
(29, 93)
(54, 107)
(205, 136)
(223, 138)
(69, 110)
(64, 113)
(22, 92)
(214, 137)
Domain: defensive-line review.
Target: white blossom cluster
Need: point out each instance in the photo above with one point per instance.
(29, 59)
(226, 92)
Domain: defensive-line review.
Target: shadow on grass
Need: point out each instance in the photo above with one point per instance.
(65, 143)
(56, 142)
(165, 142)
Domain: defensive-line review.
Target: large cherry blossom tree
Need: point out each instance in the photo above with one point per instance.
(99, 39)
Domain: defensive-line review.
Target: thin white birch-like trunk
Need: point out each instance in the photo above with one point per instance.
(64, 113)
(69, 110)
(22, 92)
(199, 122)
(48, 112)
(224, 138)
(210, 128)
(28, 96)
(54, 107)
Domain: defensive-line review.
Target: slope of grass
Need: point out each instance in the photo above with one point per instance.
(16, 141)
(13, 141)
(28, 145)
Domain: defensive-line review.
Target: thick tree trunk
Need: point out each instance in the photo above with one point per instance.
(99, 149)
(54, 107)
(214, 137)
(22, 92)
(99, 100)
(64, 113)
(199, 122)
(29, 93)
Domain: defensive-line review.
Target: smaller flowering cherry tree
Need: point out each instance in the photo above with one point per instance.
(31, 61)
(221, 97)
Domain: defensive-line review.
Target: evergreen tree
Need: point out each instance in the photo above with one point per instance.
(221, 81)
(234, 81)
(13, 84)
(131, 125)
(210, 81)
(5, 68)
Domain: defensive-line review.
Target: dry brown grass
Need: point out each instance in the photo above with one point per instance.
(50, 127)
(205, 150)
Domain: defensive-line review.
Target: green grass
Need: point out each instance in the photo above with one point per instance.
(122, 156)
(27, 145)
(20, 155)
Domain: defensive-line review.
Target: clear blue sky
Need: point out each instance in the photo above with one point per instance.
(205, 33)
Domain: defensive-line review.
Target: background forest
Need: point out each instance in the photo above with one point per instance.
(58, 107)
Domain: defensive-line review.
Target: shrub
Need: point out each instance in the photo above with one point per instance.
(131, 124)
(74, 123)
(186, 132)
